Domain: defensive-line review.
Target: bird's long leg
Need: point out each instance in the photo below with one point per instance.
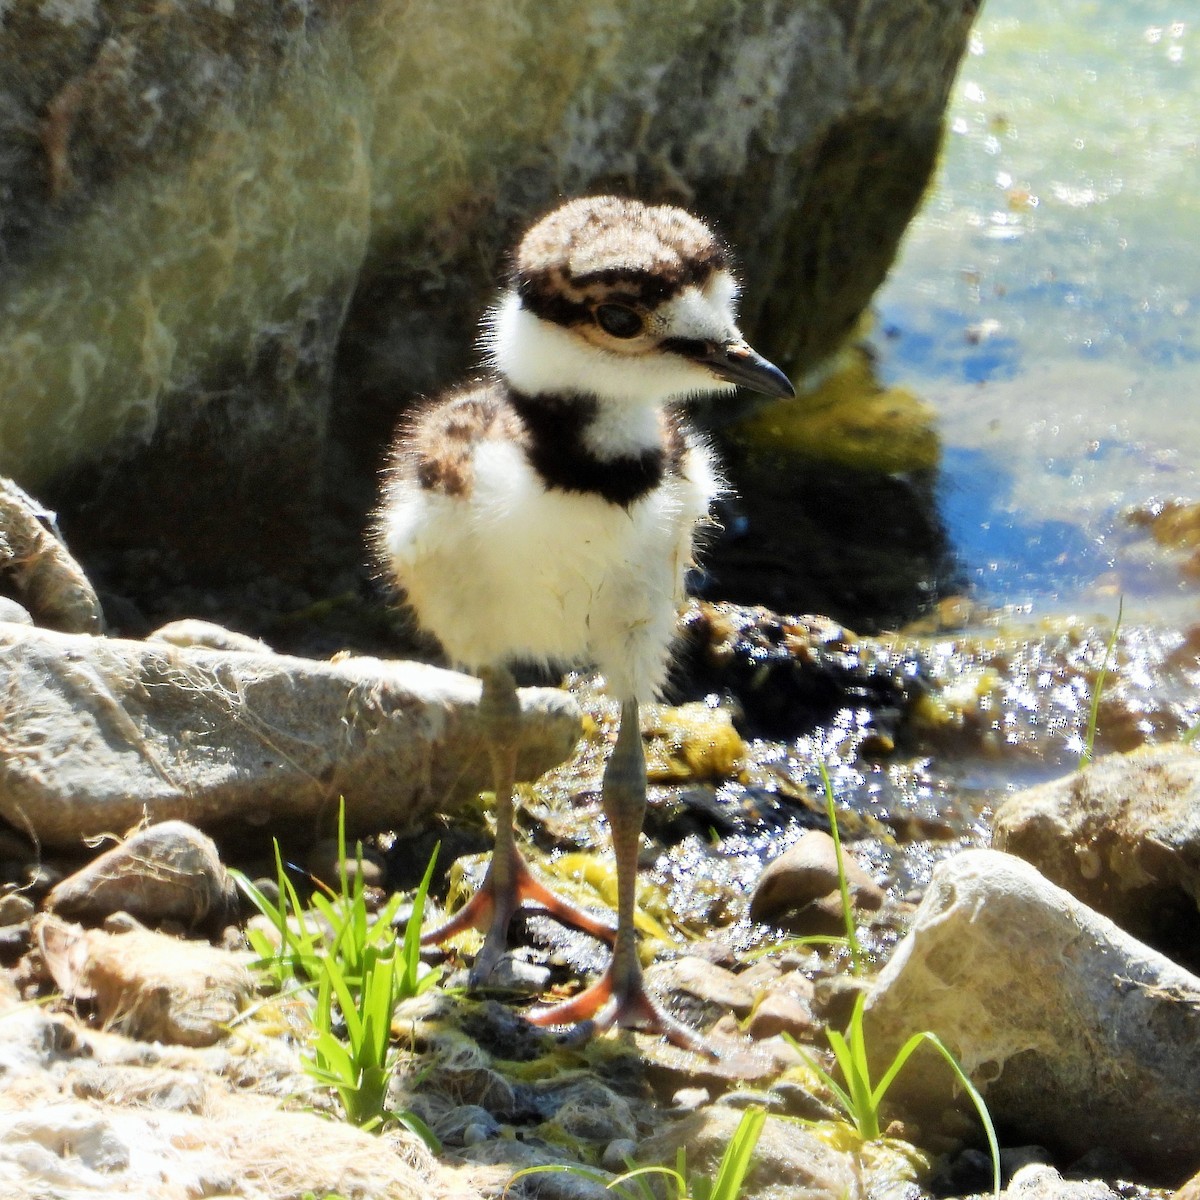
(508, 881)
(619, 996)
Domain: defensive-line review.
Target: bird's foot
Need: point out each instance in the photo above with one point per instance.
(618, 1002)
(504, 889)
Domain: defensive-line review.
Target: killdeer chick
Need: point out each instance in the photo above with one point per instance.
(547, 513)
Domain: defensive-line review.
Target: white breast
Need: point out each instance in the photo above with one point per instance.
(517, 572)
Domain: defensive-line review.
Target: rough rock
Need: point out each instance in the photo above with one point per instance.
(14, 613)
(103, 733)
(799, 890)
(1077, 1034)
(1037, 1181)
(88, 1113)
(190, 631)
(36, 566)
(582, 1108)
(166, 872)
(1123, 836)
(1190, 1190)
(712, 988)
(780, 1012)
(232, 229)
(153, 987)
(789, 1162)
(791, 673)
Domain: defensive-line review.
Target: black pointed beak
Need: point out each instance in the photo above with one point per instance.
(739, 363)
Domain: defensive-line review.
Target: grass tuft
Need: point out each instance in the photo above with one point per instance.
(681, 1183)
(359, 973)
(861, 1100)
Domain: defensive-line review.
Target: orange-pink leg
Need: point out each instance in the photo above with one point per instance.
(508, 882)
(619, 996)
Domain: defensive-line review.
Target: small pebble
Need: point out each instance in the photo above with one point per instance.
(472, 1135)
(513, 974)
(617, 1154)
(322, 861)
(688, 1099)
(780, 1013)
(799, 890)
(16, 908)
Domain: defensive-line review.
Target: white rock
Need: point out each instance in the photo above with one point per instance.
(104, 733)
(1077, 1034)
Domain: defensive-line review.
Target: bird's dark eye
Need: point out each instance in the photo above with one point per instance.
(618, 320)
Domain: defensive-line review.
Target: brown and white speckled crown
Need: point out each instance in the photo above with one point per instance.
(603, 248)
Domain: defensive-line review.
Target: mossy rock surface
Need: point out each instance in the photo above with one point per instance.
(240, 239)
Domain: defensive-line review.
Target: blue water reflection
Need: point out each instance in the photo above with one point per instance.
(1047, 301)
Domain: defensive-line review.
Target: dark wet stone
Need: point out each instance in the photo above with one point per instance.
(16, 908)
(465, 1125)
(583, 1108)
(806, 535)
(791, 673)
(502, 1032)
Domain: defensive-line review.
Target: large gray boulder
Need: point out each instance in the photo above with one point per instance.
(1077, 1035)
(100, 734)
(233, 234)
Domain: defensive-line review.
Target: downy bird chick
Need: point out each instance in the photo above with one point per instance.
(548, 512)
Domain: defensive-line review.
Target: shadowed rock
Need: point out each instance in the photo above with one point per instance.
(167, 872)
(37, 568)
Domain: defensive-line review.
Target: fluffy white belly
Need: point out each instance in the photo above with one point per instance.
(515, 572)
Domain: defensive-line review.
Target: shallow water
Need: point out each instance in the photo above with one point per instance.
(1047, 301)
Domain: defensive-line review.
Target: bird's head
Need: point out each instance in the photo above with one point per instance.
(627, 302)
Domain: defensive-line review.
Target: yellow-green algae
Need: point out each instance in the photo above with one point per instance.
(847, 417)
(691, 743)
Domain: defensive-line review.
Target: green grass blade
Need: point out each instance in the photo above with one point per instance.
(559, 1169)
(332, 972)
(410, 954)
(856, 954)
(976, 1099)
(861, 1108)
(739, 1154)
(795, 943)
(1085, 757)
(902, 1056)
(410, 1121)
(814, 1065)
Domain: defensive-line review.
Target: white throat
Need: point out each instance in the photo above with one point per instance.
(538, 357)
